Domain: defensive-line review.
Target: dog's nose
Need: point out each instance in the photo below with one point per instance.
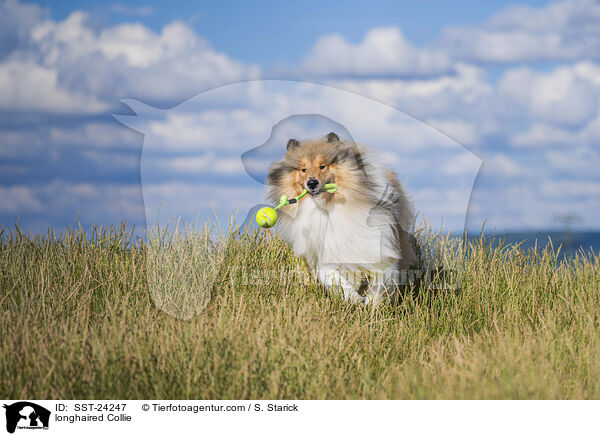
(312, 184)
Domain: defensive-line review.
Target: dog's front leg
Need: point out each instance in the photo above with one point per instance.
(333, 280)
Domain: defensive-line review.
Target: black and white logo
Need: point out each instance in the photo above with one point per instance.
(26, 415)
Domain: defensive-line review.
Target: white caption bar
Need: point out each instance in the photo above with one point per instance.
(247, 417)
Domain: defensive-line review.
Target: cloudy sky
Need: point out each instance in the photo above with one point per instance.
(516, 84)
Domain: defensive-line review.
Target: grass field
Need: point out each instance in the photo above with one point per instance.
(79, 321)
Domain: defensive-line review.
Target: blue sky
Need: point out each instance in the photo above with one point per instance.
(273, 32)
(517, 83)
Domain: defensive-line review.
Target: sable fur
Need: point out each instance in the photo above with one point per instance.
(357, 238)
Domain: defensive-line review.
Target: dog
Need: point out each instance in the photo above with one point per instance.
(355, 240)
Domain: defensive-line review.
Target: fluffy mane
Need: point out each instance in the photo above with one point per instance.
(358, 237)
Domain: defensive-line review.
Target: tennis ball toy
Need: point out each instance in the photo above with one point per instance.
(266, 217)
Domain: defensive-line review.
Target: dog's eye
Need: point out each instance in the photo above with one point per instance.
(303, 170)
(322, 167)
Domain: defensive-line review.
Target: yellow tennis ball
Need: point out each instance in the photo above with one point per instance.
(266, 217)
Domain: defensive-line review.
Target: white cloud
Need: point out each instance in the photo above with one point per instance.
(562, 96)
(96, 134)
(108, 203)
(209, 129)
(27, 86)
(446, 205)
(582, 161)
(46, 68)
(461, 131)
(467, 86)
(588, 71)
(199, 201)
(502, 166)
(542, 135)
(249, 116)
(19, 200)
(139, 47)
(114, 161)
(16, 22)
(571, 188)
(200, 138)
(561, 30)
(383, 51)
(521, 206)
(460, 165)
(49, 70)
(545, 135)
(205, 164)
(17, 144)
(460, 105)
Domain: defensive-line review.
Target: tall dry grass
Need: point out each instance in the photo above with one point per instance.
(79, 319)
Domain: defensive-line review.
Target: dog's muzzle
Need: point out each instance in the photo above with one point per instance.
(313, 185)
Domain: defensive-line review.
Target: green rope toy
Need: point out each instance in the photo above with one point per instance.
(267, 216)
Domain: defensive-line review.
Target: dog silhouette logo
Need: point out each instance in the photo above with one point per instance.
(193, 179)
(26, 415)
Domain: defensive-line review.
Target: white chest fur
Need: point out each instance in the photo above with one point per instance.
(342, 234)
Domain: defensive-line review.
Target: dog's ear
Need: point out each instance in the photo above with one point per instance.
(332, 137)
(292, 143)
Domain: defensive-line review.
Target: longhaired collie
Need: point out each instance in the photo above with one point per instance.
(355, 240)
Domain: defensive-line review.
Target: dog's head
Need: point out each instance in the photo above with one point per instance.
(311, 164)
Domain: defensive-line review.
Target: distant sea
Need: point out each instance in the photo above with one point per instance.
(571, 242)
